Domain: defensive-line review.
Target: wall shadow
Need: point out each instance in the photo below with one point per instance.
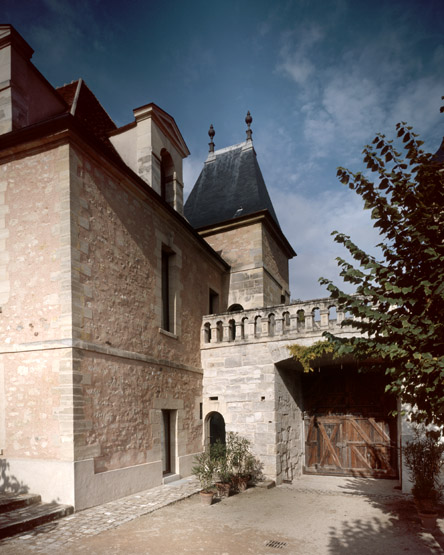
(8, 482)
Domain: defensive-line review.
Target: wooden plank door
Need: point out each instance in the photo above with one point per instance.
(348, 445)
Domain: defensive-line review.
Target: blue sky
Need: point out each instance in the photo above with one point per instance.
(320, 78)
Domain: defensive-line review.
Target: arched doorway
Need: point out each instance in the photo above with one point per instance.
(215, 428)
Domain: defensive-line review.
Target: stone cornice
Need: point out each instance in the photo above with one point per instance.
(71, 343)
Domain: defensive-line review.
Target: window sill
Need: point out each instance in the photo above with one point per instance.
(168, 333)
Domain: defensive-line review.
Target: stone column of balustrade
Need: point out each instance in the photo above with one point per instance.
(265, 324)
(309, 321)
(226, 335)
(340, 316)
(294, 322)
(204, 335)
(214, 333)
(239, 330)
(324, 317)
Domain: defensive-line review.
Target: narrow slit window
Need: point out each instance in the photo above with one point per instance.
(166, 292)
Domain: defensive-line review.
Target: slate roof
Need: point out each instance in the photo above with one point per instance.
(229, 186)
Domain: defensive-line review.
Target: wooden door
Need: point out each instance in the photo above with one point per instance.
(348, 427)
(167, 441)
(348, 445)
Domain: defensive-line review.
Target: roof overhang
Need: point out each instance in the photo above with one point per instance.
(166, 124)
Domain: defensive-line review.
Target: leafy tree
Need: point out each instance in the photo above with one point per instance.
(398, 306)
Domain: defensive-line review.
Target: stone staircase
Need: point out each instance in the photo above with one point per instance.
(23, 512)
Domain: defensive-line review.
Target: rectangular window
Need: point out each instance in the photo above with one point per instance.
(166, 294)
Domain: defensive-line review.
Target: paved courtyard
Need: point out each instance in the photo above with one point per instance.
(315, 515)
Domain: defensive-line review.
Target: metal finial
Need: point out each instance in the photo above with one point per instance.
(248, 121)
(211, 134)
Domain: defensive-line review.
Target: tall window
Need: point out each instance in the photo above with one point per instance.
(214, 302)
(166, 294)
(167, 177)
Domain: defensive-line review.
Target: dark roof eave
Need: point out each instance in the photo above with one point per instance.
(240, 221)
(67, 122)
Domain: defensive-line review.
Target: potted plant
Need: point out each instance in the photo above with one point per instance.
(203, 469)
(423, 457)
(242, 460)
(221, 457)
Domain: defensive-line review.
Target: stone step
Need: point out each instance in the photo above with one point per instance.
(11, 501)
(27, 518)
(266, 484)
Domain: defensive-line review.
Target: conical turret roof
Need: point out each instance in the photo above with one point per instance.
(230, 186)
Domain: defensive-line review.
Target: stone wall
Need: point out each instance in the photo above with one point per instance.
(85, 367)
(250, 378)
(241, 247)
(35, 302)
(276, 266)
(117, 237)
(130, 369)
(122, 403)
(290, 444)
(244, 384)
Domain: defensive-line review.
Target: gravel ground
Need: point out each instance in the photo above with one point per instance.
(314, 515)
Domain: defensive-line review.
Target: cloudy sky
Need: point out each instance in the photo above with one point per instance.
(320, 78)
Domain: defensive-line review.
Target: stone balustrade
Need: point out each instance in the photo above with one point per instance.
(278, 322)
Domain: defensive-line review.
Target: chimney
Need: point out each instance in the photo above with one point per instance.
(25, 95)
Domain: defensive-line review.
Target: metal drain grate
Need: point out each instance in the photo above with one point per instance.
(276, 544)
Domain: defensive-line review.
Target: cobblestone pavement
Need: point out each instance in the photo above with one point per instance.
(54, 536)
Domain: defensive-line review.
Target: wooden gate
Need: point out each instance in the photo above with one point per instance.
(348, 445)
(348, 430)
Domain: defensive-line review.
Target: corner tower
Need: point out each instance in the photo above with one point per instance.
(231, 208)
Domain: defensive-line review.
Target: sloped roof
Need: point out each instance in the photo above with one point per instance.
(85, 107)
(230, 185)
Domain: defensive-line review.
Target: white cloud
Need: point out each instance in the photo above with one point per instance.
(295, 61)
(308, 221)
(418, 103)
(366, 89)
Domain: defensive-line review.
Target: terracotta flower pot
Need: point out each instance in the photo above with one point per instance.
(428, 519)
(242, 483)
(223, 489)
(206, 497)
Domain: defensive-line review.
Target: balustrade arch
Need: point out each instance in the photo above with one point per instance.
(207, 332)
(271, 324)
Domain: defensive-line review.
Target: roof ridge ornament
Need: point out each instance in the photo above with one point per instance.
(211, 134)
(211, 155)
(248, 121)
